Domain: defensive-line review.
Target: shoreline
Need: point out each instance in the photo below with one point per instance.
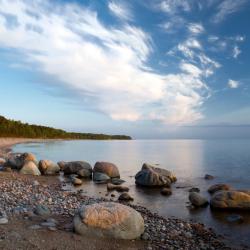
(161, 233)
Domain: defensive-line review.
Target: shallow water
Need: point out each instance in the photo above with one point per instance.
(190, 160)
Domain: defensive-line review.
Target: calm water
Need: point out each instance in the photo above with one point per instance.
(190, 160)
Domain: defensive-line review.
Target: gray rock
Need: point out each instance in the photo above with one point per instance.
(197, 200)
(107, 168)
(100, 178)
(109, 220)
(78, 167)
(76, 181)
(154, 177)
(42, 210)
(30, 168)
(18, 161)
(218, 187)
(48, 224)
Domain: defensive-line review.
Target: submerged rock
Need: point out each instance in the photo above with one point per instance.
(218, 187)
(232, 199)
(194, 189)
(125, 197)
(100, 178)
(166, 191)
(208, 177)
(107, 168)
(109, 220)
(117, 181)
(30, 168)
(151, 176)
(235, 218)
(197, 200)
(81, 168)
(118, 188)
(48, 167)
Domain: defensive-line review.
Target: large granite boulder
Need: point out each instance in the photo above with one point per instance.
(154, 177)
(107, 168)
(231, 199)
(218, 187)
(30, 168)
(197, 200)
(80, 168)
(18, 161)
(109, 220)
(48, 167)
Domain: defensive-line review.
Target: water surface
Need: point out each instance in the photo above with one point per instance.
(190, 160)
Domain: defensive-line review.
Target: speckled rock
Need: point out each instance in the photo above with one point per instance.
(109, 220)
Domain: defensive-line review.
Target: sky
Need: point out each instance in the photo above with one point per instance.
(147, 68)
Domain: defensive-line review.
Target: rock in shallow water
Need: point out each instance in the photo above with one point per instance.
(118, 188)
(234, 218)
(218, 187)
(100, 178)
(109, 220)
(208, 177)
(107, 168)
(151, 176)
(166, 191)
(197, 200)
(238, 200)
(81, 168)
(125, 197)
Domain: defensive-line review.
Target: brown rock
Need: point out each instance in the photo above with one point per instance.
(118, 188)
(107, 168)
(218, 187)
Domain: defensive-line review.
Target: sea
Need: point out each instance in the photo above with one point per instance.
(227, 160)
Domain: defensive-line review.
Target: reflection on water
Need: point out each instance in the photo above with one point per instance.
(190, 160)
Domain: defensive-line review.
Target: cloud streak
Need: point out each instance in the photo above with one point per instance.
(106, 65)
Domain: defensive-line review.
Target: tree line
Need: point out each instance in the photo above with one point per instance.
(11, 128)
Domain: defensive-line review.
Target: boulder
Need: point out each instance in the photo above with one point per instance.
(154, 177)
(81, 168)
(118, 188)
(125, 197)
(166, 191)
(100, 178)
(30, 168)
(109, 220)
(61, 164)
(48, 167)
(218, 187)
(197, 200)
(231, 199)
(18, 161)
(107, 168)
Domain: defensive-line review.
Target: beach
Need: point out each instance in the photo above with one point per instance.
(22, 194)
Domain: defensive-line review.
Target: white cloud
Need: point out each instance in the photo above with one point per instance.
(196, 28)
(226, 8)
(236, 52)
(172, 25)
(106, 65)
(121, 10)
(172, 6)
(232, 84)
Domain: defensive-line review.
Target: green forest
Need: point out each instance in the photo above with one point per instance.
(11, 128)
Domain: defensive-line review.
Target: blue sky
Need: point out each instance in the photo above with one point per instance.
(151, 69)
